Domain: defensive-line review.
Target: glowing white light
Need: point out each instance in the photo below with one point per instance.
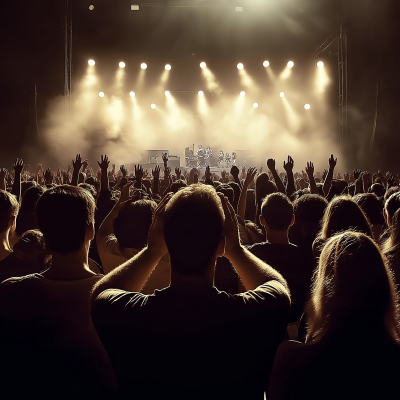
(255, 105)
(281, 94)
(168, 67)
(290, 64)
(132, 94)
(240, 66)
(101, 94)
(143, 65)
(91, 62)
(167, 93)
(203, 65)
(153, 106)
(91, 7)
(266, 63)
(243, 93)
(201, 93)
(307, 106)
(121, 64)
(320, 64)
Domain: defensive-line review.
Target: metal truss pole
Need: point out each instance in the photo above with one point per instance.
(342, 65)
(67, 55)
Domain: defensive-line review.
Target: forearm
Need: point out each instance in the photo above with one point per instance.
(74, 180)
(279, 183)
(290, 188)
(107, 226)
(242, 202)
(328, 182)
(104, 182)
(313, 185)
(16, 187)
(130, 276)
(155, 186)
(252, 271)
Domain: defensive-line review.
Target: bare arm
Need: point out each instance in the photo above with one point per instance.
(310, 173)
(251, 172)
(290, 188)
(16, 188)
(277, 179)
(77, 164)
(329, 175)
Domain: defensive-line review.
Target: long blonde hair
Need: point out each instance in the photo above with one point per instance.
(352, 275)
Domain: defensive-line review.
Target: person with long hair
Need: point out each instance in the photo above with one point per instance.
(352, 346)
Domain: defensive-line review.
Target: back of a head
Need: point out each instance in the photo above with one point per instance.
(377, 189)
(227, 191)
(63, 214)
(310, 208)
(178, 184)
(264, 187)
(390, 191)
(372, 207)
(343, 214)
(277, 211)
(32, 247)
(392, 205)
(193, 226)
(344, 291)
(27, 185)
(92, 180)
(131, 226)
(8, 208)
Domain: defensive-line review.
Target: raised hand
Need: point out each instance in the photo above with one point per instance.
(332, 162)
(251, 173)
(84, 165)
(165, 160)
(18, 166)
(390, 180)
(271, 164)
(288, 167)
(103, 164)
(156, 172)
(178, 173)
(356, 174)
(124, 171)
(324, 174)
(77, 164)
(138, 173)
(235, 172)
(208, 173)
(125, 192)
(310, 169)
(48, 176)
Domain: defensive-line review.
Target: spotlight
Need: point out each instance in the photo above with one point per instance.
(143, 65)
(290, 64)
(307, 106)
(91, 7)
(240, 66)
(243, 93)
(167, 93)
(255, 105)
(121, 64)
(153, 106)
(132, 94)
(203, 64)
(201, 93)
(266, 64)
(320, 64)
(91, 62)
(101, 94)
(281, 94)
(168, 67)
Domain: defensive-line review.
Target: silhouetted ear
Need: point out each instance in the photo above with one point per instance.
(89, 233)
(292, 221)
(262, 221)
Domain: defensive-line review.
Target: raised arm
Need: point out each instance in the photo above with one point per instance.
(77, 164)
(16, 188)
(277, 179)
(251, 173)
(132, 275)
(156, 179)
(252, 271)
(329, 175)
(310, 173)
(290, 188)
(103, 164)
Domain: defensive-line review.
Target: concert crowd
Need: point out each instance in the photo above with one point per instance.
(199, 283)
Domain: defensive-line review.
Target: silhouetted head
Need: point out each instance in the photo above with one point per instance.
(9, 208)
(372, 207)
(392, 204)
(277, 212)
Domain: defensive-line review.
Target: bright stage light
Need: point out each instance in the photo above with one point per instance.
(121, 64)
(290, 64)
(240, 66)
(168, 67)
(91, 7)
(200, 93)
(203, 65)
(167, 93)
(266, 63)
(281, 94)
(132, 94)
(320, 64)
(243, 93)
(255, 105)
(91, 62)
(143, 65)
(153, 106)
(307, 106)
(101, 94)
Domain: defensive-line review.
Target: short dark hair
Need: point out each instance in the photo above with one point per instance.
(227, 191)
(310, 208)
(63, 214)
(392, 204)
(131, 226)
(378, 189)
(193, 217)
(372, 207)
(277, 211)
(177, 185)
(9, 207)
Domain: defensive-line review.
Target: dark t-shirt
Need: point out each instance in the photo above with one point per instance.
(12, 266)
(294, 265)
(216, 343)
